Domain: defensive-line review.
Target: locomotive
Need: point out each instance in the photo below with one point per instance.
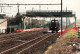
(54, 26)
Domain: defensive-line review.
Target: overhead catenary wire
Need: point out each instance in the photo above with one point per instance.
(29, 4)
(32, 4)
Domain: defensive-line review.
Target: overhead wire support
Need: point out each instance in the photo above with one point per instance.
(61, 18)
(66, 18)
(5, 6)
(31, 4)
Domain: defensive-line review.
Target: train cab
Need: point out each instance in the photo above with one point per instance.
(54, 25)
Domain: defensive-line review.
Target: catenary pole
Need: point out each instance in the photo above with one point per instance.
(61, 18)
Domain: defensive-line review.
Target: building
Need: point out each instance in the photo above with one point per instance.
(3, 23)
(28, 20)
(32, 22)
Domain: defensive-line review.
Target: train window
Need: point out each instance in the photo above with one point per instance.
(52, 21)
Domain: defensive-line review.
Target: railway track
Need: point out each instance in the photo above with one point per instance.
(12, 43)
(30, 41)
(22, 47)
(41, 46)
(13, 34)
(17, 36)
(18, 45)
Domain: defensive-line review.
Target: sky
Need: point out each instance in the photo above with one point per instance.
(70, 4)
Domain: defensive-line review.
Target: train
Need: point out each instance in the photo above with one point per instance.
(54, 26)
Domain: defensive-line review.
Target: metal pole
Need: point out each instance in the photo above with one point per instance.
(66, 18)
(32, 23)
(75, 21)
(50, 18)
(18, 8)
(1, 9)
(69, 21)
(32, 9)
(61, 17)
(10, 29)
(32, 18)
(24, 23)
(39, 7)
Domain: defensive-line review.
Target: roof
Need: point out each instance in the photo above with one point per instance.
(49, 13)
(2, 16)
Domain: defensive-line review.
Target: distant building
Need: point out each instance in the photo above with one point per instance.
(39, 22)
(42, 22)
(3, 23)
(33, 22)
(28, 20)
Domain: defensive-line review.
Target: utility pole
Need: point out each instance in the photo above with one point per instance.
(39, 7)
(32, 19)
(1, 9)
(32, 9)
(66, 18)
(24, 23)
(18, 8)
(61, 17)
(75, 20)
(18, 14)
(40, 17)
(69, 21)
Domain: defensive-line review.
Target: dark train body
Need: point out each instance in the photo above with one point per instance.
(54, 25)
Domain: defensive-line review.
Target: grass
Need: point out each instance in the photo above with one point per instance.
(77, 24)
(62, 45)
(71, 33)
